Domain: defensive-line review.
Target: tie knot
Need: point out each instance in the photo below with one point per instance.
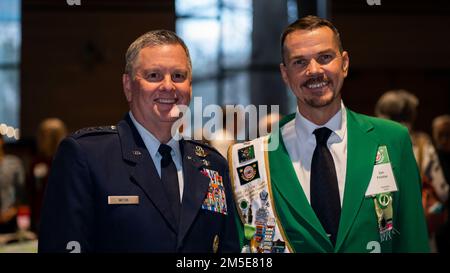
(322, 135)
(164, 150)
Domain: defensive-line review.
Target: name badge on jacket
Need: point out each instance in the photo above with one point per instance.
(383, 180)
(123, 200)
(215, 197)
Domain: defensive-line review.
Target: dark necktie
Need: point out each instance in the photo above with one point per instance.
(169, 178)
(325, 198)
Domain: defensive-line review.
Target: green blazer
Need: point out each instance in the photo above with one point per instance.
(358, 228)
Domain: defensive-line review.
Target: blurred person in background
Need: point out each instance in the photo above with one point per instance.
(441, 137)
(401, 106)
(48, 136)
(12, 189)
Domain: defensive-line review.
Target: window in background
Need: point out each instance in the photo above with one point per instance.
(218, 34)
(10, 40)
(233, 62)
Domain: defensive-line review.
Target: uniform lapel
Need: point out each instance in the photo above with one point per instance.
(284, 179)
(361, 151)
(142, 168)
(195, 188)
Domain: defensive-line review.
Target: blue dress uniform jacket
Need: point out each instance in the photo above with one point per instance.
(96, 163)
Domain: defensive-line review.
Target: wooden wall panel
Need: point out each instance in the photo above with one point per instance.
(73, 58)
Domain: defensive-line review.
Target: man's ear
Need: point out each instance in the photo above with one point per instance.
(126, 83)
(345, 63)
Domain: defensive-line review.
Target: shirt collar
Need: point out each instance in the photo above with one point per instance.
(338, 124)
(152, 143)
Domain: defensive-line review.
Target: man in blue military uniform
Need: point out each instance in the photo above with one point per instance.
(134, 187)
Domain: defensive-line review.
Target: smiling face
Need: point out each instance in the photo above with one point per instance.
(314, 69)
(162, 80)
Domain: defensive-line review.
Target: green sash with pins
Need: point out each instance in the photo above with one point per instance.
(250, 175)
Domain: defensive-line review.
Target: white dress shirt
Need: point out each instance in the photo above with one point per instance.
(300, 143)
(152, 144)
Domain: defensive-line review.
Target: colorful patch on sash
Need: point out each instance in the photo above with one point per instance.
(278, 246)
(248, 173)
(215, 196)
(261, 237)
(261, 230)
(246, 154)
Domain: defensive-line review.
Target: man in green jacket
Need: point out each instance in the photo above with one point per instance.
(338, 181)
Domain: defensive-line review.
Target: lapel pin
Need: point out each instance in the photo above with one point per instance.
(199, 151)
(206, 162)
(216, 244)
(136, 152)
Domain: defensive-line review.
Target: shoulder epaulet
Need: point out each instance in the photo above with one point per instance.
(98, 130)
(204, 144)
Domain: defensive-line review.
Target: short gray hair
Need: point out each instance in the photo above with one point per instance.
(397, 105)
(154, 38)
